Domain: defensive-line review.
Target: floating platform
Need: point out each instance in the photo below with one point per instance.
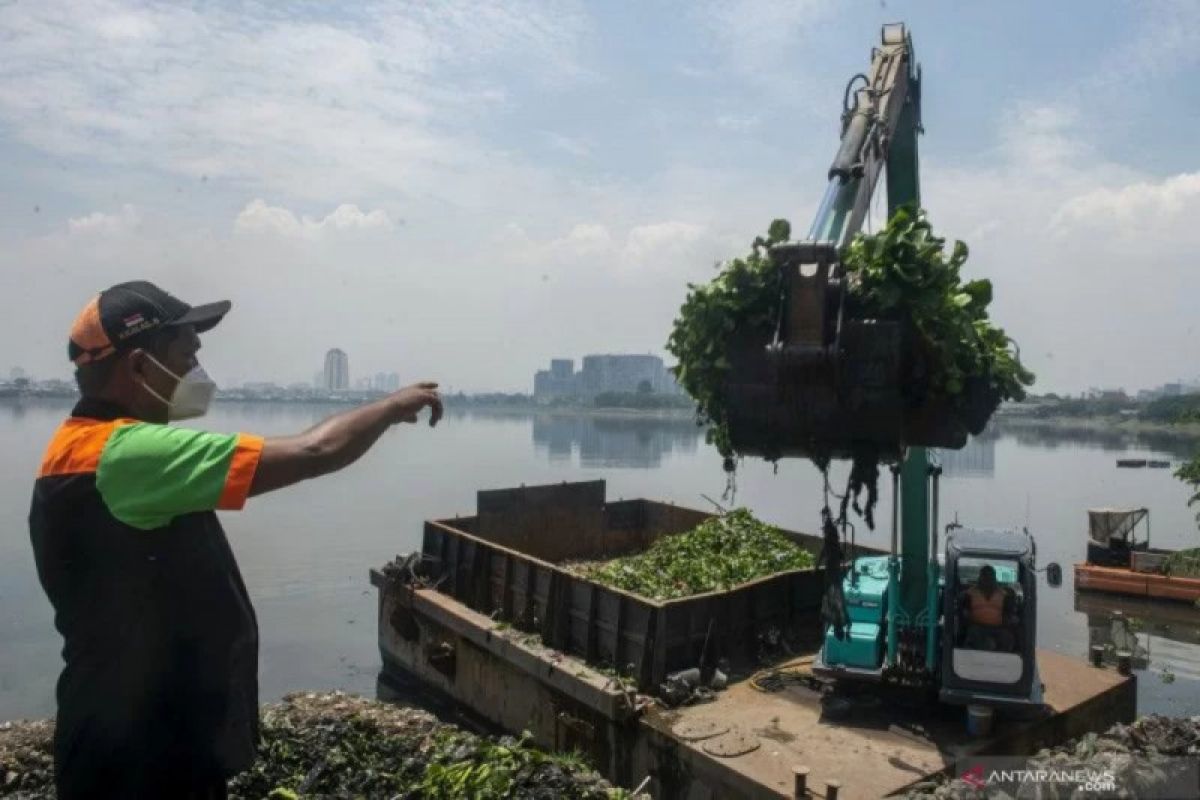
(1138, 463)
(752, 736)
(1132, 583)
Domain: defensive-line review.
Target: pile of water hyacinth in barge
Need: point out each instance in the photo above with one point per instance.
(717, 555)
(337, 745)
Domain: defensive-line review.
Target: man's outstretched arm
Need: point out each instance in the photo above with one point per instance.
(339, 440)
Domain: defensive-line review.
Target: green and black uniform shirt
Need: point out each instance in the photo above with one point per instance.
(160, 638)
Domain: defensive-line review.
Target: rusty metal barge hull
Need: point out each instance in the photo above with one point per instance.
(1131, 583)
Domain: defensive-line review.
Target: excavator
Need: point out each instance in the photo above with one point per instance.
(831, 383)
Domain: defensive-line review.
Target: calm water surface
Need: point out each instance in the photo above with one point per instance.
(305, 551)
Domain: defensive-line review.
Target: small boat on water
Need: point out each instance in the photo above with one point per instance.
(1138, 463)
(1131, 463)
(1118, 562)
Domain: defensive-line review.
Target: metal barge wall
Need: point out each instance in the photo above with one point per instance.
(506, 562)
(505, 630)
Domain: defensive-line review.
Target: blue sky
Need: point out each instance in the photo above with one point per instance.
(464, 190)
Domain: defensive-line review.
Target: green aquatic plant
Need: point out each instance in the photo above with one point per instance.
(718, 554)
(335, 745)
(1183, 563)
(903, 270)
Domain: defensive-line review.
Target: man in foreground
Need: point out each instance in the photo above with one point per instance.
(159, 693)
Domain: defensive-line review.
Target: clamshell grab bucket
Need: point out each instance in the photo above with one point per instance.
(833, 382)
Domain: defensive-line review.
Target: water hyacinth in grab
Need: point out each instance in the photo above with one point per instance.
(904, 270)
(718, 554)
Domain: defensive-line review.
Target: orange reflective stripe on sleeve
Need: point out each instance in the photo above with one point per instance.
(241, 472)
(77, 445)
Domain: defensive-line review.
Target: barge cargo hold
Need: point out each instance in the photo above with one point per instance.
(491, 621)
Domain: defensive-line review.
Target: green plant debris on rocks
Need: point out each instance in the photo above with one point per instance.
(333, 745)
(1152, 757)
(720, 553)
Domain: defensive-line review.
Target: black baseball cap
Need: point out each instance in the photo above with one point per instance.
(127, 315)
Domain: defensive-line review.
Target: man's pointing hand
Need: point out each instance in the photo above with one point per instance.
(409, 401)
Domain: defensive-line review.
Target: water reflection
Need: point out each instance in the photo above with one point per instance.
(1162, 637)
(614, 441)
(1053, 436)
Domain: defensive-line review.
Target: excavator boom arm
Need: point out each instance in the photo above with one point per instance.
(870, 124)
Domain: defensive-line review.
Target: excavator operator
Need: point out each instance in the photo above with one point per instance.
(989, 613)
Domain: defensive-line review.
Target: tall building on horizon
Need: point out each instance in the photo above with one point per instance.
(337, 371)
(600, 373)
(386, 381)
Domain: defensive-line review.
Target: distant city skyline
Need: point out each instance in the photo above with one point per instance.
(391, 380)
(603, 372)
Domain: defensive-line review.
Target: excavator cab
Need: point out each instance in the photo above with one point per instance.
(990, 661)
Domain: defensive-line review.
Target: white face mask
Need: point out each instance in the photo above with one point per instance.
(193, 392)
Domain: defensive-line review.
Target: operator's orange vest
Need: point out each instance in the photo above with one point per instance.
(986, 610)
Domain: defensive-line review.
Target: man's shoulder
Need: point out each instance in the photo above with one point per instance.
(138, 437)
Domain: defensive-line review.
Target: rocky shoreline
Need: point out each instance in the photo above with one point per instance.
(334, 745)
(1155, 756)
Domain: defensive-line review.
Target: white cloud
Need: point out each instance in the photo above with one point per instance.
(756, 37)
(258, 217)
(1078, 247)
(672, 247)
(99, 223)
(569, 145)
(738, 123)
(665, 240)
(121, 101)
(1166, 42)
(1134, 209)
(380, 99)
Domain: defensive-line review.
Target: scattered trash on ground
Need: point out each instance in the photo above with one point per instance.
(1143, 758)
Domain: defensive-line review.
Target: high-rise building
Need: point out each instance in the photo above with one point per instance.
(604, 373)
(386, 381)
(620, 373)
(337, 371)
(562, 368)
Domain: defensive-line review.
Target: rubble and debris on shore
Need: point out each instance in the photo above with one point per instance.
(326, 745)
(1143, 757)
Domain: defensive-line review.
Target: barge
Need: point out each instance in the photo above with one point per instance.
(1121, 561)
(487, 616)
